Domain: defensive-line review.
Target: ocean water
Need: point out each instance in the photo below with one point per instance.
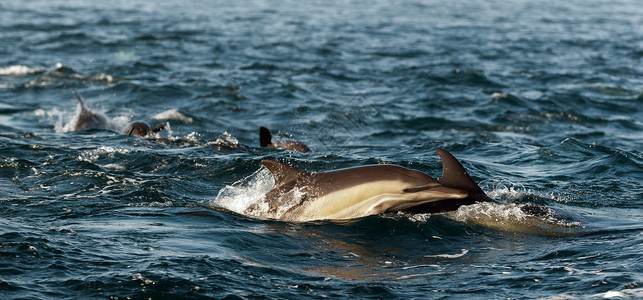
(541, 100)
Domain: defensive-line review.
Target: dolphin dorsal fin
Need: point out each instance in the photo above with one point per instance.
(80, 99)
(283, 173)
(454, 175)
(265, 137)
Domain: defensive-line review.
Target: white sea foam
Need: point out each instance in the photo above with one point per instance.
(461, 254)
(192, 137)
(18, 70)
(116, 167)
(496, 95)
(102, 77)
(623, 294)
(172, 114)
(119, 121)
(245, 192)
(101, 152)
(225, 139)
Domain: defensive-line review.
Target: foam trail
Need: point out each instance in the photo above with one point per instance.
(515, 217)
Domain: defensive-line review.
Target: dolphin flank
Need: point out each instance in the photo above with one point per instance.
(362, 191)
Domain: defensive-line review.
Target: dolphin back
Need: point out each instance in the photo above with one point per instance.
(283, 173)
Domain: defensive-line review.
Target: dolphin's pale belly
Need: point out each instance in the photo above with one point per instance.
(366, 199)
(371, 206)
(336, 204)
(305, 203)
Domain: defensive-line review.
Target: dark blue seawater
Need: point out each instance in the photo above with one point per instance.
(542, 101)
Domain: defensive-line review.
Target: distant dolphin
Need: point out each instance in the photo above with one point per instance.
(88, 119)
(361, 191)
(265, 140)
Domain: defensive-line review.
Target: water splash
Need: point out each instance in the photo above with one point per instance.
(504, 190)
(226, 140)
(238, 196)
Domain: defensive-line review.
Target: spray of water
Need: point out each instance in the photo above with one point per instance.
(245, 192)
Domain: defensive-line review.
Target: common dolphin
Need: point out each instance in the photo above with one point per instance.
(265, 140)
(361, 191)
(88, 119)
(140, 128)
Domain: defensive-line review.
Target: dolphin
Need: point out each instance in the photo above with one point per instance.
(140, 128)
(265, 140)
(302, 196)
(88, 119)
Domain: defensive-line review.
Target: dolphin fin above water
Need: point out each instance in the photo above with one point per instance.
(265, 137)
(88, 119)
(454, 175)
(361, 191)
(81, 100)
(265, 140)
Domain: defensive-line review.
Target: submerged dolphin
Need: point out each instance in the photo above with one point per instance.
(88, 119)
(361, 191)
(265, 140)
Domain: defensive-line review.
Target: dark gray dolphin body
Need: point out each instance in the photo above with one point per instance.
(265, 140)
(88, 119)
(361, 191)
